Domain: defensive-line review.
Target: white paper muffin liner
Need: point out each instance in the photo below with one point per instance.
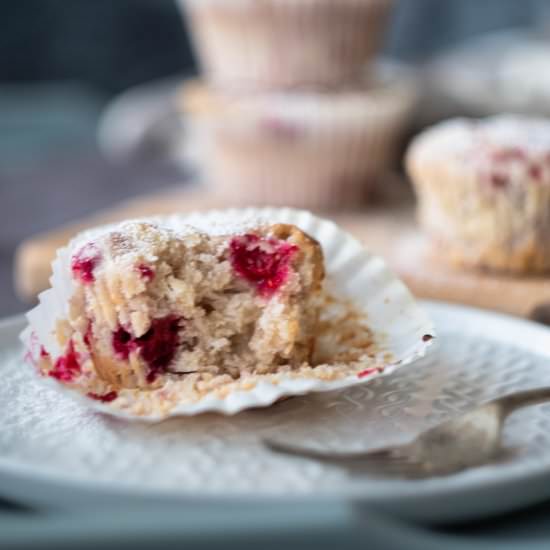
(278, 44)
(401, 329)
(306, 149)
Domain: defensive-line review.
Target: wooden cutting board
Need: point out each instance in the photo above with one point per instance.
(387, 228)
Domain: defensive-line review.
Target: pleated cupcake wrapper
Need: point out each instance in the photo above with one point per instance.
(282, 43)
(342, 175)
(53, 306)
(510, 230)
(323, 167)
(399, 325)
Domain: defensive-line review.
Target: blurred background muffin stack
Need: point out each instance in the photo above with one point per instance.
(293, 108)
(298, 105)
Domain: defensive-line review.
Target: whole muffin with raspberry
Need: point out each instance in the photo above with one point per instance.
(483, 190)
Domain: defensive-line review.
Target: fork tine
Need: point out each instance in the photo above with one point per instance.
(384, 465)
(382, 456)
(414, 470)
(378, 463)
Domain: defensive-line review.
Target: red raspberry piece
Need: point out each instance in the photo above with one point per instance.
(84, 262)
(262, 262)
(67, 366)
(369, 371)
(157, 346)
(146, 272)
(535, 171)
(123, 343)
(509, 154)
(498, 181)
(107, 398)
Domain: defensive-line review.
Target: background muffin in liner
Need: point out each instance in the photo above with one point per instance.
(273, 44)
(484, 191)
(384, 314)
(306, 149)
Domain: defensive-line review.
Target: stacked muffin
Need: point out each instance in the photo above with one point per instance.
(292, 112)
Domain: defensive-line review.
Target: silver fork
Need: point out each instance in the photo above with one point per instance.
(472, 439)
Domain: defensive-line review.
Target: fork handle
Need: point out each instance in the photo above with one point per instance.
(513, 402)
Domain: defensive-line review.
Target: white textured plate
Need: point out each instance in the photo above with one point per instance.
(55, 452)
(398, 324)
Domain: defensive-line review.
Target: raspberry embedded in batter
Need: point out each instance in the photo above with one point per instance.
(159, 344)
(498, 181)
(67, 366)
(106, 398)
(123, 343)
(84, 262)
(535, 171)
(509, 154)
(262, 262)
(280, 129)
(369, 372)
(157, 347)
(146, 272)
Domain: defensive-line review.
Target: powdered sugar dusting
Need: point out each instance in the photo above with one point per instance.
(499, 150)
(464, 136)
(226, 224)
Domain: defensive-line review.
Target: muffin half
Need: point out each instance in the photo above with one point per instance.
(151, 305)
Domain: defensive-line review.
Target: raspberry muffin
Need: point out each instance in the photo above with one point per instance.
(151, 307)
(305, 149)
(274, 44)
(483, 188)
